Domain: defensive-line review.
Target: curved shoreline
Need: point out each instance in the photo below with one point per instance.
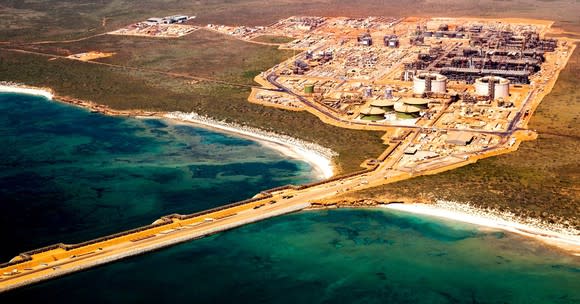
(13, 88)
(320, 158)
(567, 239)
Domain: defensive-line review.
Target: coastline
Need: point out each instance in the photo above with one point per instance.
(567, 239)
(320, 158)
(6, 87)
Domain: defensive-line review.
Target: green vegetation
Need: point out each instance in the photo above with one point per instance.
(202, 54)
(273, 39)
(68, 19)
(123, 89)
(540, 179)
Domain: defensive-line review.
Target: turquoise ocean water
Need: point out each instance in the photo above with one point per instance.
(67, 174)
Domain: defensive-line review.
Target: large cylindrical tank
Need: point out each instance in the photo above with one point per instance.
(309, 89)
(492, 86)
(372, 114)
(429, 82)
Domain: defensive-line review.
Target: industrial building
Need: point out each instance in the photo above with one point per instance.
(168, 19)
(154, 20)
(459, 138)
(391, 41)
(457, 75)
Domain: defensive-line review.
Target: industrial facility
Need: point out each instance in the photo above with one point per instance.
(445, 73)
(446, 92)
(480, 50)
(166, 27)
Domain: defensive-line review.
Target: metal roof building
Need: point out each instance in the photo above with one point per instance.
(459, 138)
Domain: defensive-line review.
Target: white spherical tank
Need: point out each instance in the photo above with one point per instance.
(429, 82)
(499, 85)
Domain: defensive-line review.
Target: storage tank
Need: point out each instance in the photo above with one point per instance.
(309, 89)
(406, 111)
(383, 104)
(421, 103)
(389, 93)
(372, 114)
(493, 87)
(429, 82)
(368, 92)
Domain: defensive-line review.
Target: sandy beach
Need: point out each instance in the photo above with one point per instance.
(567, 239)
(318, 157)
(9, 88)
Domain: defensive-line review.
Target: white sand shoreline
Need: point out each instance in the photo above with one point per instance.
(320, 158)
(19, 89)
(564, 238)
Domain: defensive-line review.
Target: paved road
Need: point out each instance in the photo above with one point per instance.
(59, 262)
(46, 267)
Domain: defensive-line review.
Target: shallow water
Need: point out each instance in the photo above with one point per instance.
(339, 256)
(67, 175)
(75, 175)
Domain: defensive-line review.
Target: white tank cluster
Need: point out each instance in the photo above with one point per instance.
(429, 82)
(492, 86)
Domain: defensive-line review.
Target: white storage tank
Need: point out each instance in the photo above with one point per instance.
(493, 86)
(429, 82)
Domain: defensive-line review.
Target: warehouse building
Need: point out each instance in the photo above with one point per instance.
(459, 138)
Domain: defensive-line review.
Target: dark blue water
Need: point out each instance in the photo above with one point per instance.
(339, 256)
(85, 170)
(67, 175)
